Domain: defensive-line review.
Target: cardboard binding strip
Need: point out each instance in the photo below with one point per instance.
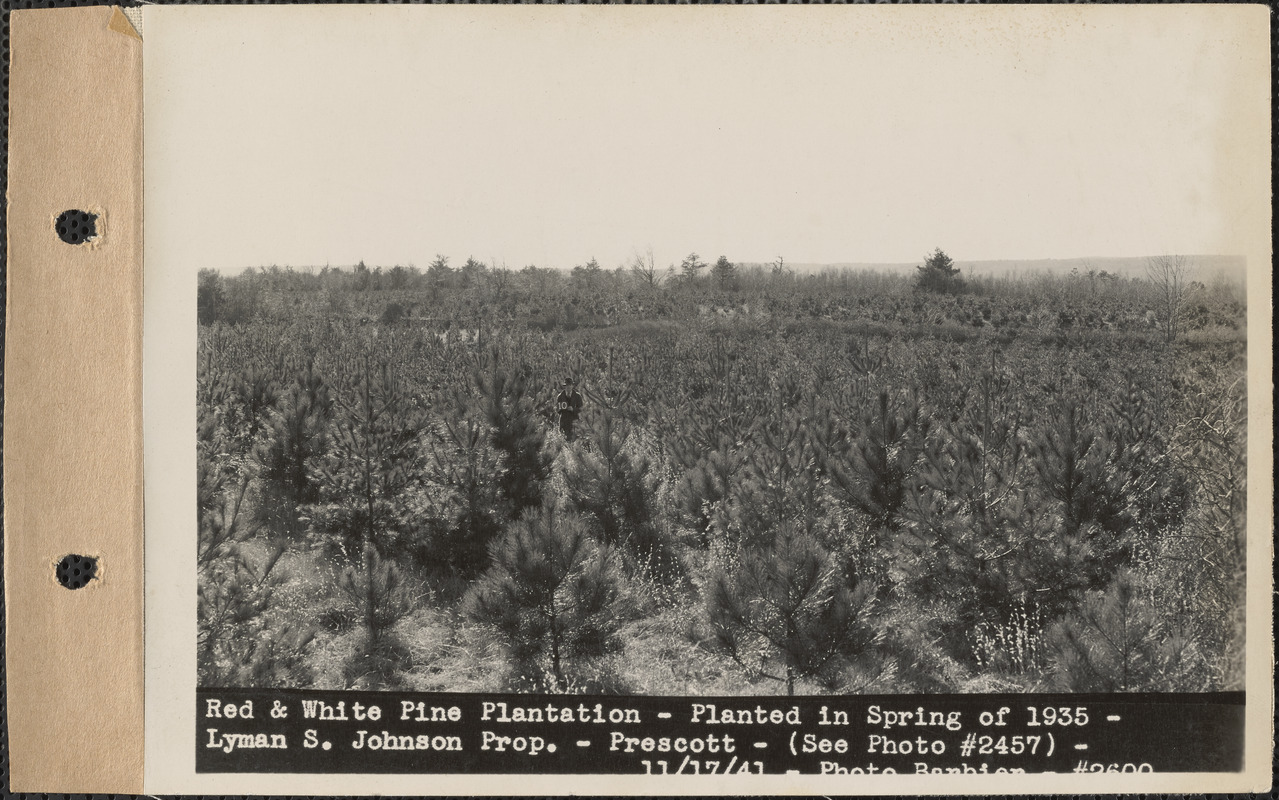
(73, 412)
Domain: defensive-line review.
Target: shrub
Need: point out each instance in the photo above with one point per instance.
(553, 595)
(786, 612)
(611, 481)
(1116, 643)
(393, 313)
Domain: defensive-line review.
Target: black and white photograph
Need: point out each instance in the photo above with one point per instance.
(707, 355)
(710, 466)
(724, 478)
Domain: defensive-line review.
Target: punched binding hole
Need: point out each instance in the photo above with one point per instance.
(75, 572)
(76, 227)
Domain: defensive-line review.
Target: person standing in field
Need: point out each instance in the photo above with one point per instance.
(569, 405)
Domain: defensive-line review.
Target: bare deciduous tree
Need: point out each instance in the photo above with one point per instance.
(645, 270)
(1168, 275)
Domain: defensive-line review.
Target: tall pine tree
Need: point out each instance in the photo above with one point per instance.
(611, 481)
(507, 403)
(243, 637)
(554, 596)
(871, 470)
(296, 437)
(465, 507)
(787, 612)
(367, 482)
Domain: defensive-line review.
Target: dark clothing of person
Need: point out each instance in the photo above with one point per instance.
(569, 405)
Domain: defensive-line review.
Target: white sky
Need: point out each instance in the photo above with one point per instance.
(516, 134)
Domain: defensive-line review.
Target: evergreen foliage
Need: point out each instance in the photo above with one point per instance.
(241, 641)
(609, 479)
(1074, 459)
(869, 487)
(781, 486)
(295, 438)
(708, 495)
(939, 274)
(210, 297)
(786, 612)
(972, 539)
(871, 470)
(251, 399)
(464, 504)
(725, 273)
(1115, 642)
(507, 402)
(692, 266)
(393, 314)
(368, 480)
(217, 301)
(554, 597)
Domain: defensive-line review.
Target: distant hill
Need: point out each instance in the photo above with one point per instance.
(1204, 266)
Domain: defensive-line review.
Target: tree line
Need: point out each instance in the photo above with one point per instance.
(479, 295)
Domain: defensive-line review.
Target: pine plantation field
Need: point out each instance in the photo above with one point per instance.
(845, 482)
